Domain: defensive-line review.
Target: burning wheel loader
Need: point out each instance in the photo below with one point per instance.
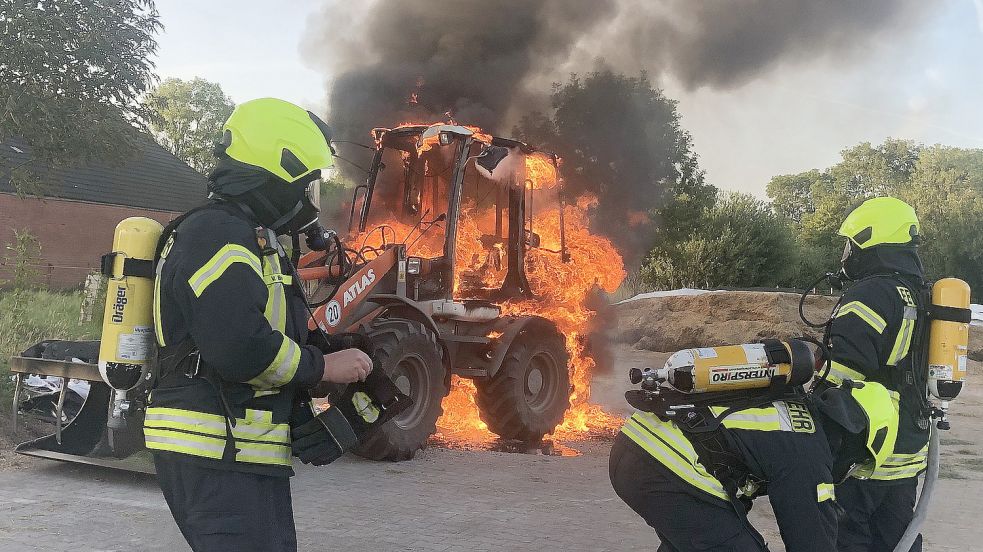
(431, 304)
(436, 255)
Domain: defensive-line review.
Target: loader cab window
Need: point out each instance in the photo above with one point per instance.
(411, 192)
(508, 193)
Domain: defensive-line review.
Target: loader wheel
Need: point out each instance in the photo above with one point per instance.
(529, 394)
(409, 354)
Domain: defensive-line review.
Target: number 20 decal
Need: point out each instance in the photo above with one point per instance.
(333, 313)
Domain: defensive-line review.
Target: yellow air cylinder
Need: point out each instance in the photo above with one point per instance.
(127, 328)
(948, 341)
(731, 368)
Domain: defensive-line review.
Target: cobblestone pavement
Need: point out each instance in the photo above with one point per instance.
(444, 500)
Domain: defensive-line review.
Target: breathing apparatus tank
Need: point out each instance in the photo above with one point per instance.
(127, 328)
(739, 367)
(948, 342)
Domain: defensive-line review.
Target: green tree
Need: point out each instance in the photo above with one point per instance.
(739, 242)
(621, 139)
(791, 194)
(191, 117)
(71, 77)
(946, 190)
(943, 184)
(818, 201)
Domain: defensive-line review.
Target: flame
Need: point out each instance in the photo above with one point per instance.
(562, 291)
(540, 172)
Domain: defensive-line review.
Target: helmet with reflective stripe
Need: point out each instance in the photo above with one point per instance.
(881, 221)
(881, 408)
(278, 137)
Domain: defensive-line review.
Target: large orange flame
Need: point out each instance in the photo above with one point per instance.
(562, 293)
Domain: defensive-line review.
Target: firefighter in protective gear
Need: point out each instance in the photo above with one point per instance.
(871, 338)
(695, 488)
(231, 326)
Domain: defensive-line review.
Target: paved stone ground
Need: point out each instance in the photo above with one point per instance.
(444, 500)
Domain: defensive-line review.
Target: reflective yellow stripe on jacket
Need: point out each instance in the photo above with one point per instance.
(276, 303)
(281, 370)
(257, 439)
(824, 492)
(902, 466)
(753, 419)
(839, 372)
(865, 313)
(780, 416)
(667, 444)
(219, 263)
(902, 343)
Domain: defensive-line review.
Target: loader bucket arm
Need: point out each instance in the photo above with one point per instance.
(340, 308)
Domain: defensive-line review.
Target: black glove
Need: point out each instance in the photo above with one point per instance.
(321, 439)
(331, 344)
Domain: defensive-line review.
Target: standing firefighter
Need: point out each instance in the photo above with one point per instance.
(871, 339)
(721, 426)
(232, 329)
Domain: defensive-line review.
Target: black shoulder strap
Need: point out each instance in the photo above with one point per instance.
(173, 225)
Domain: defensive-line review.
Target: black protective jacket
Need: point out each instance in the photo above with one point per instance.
(232, 327)
(781, 446)
(871, 338)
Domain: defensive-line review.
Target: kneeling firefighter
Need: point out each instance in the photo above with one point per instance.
(235, 362)
(892, 328)
(718, 427)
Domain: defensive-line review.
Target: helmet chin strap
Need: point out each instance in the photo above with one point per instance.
(283, 221)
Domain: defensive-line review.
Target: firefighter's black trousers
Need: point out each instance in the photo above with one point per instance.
(683, 519)
(875, 514)
(227, 511)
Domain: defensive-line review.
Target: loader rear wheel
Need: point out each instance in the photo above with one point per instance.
(529, 394)
(409, 353)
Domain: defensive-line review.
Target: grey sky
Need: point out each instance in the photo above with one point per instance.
(927, 86)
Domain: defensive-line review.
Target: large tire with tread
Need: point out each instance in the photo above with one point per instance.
(530, 393)
(409, 353)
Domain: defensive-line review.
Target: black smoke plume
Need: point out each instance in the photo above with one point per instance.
(489, 62)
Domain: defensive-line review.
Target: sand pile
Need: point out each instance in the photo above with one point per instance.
(976, 343)
(668, 324)
(712, 319)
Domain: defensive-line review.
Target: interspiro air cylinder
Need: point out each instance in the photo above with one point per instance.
(948, 342)
(127, 328)
(736, 367)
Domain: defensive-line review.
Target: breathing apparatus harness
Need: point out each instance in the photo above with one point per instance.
(914, 379)
(691, 413)
(356, 410)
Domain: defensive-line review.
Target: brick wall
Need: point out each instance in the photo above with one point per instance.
(73, 234)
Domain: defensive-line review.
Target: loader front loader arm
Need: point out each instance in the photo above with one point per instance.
(335, 314)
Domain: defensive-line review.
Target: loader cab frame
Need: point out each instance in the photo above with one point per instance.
(440, 174)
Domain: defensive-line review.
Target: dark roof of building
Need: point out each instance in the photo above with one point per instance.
(152, 179)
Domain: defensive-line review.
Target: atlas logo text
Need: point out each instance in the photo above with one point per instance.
(359, 286)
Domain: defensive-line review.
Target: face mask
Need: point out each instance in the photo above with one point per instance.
(301, 216)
